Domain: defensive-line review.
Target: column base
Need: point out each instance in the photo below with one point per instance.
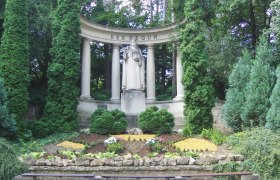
(178, 98)
(150, 100)
(85, 97)
(115, 100)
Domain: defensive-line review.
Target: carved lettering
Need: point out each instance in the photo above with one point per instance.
(142, 37)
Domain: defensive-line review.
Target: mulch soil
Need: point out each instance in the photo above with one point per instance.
(96, 143)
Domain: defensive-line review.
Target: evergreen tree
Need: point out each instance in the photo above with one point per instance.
(7, 121)
(14, 57)
(235, 96)
(259, 87)
(273, 114)
(199, 98)
(63, 72)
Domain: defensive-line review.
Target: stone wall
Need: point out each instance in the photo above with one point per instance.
(87, 107)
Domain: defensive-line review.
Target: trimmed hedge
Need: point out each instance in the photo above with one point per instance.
(153, 120)
(108, 122)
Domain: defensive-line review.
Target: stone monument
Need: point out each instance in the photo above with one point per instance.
(133, 83)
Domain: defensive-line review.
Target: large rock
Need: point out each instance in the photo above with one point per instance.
(109, 162)
(135, 131)
(239, 157)
(97, 162)
(183, 160)
(128, 162)
(81, 162)
(40, 162)
(192, 161)
(207, 159)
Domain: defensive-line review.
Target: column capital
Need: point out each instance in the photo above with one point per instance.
(115, 46)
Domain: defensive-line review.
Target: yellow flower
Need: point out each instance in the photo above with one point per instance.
(72, 145)
(130, 137)
(194, 144)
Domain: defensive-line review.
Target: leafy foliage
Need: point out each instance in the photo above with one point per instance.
(260, 146)
(214, 135)
(199, 94)
(259, 87)
(116, 148)
(108, 122)
(153, 120)
(7, 120)
(9, 163)
(235, 96)
(36, 145)
(14, 55)
(63, 72)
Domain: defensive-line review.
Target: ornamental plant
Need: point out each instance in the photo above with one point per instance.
(108, 122)
(156, 121)
(156, 144)
(113, 145)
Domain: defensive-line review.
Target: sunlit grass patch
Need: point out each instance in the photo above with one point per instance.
(195, 144)
(130, 137)
(68, 144)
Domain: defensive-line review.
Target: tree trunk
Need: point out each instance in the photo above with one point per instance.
(253, 25)
(164, 10)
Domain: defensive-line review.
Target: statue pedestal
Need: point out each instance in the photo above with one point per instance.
(132, 103)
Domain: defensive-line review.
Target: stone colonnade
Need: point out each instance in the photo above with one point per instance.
(115, 90)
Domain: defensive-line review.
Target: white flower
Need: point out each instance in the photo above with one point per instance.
(110, 140)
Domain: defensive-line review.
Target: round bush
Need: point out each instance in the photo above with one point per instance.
(106, 122)
(9, 163)
(156, 121)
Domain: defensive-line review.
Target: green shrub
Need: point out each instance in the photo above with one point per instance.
(214, 135)
(231, 167)
(260, 146)
(9, 163)
(116, 147)
(106, 122)
(156, 121)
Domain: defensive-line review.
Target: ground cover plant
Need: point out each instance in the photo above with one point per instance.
(260, 146)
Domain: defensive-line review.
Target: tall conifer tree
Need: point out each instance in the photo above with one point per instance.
(199, 96)
(14, 59)
(259, 87)
(235, 96)
(63, 73)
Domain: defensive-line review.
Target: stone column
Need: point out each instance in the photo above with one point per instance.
(85, 83)
(151, 74)
(179, 77)
(116, 73)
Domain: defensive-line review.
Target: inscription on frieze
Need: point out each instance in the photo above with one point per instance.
(119, 37)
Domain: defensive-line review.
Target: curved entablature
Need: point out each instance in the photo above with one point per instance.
(96, 32)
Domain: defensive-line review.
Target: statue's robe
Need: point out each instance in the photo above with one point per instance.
(133, 69)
